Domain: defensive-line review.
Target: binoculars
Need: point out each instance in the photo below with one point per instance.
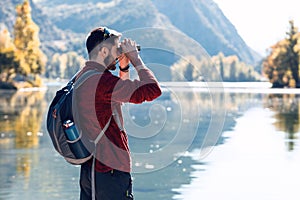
(121, 51)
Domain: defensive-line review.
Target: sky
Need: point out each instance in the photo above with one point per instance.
(261, 23)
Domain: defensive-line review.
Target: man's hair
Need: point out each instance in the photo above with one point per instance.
(100, 35)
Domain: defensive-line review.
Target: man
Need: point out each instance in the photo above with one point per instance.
(98, 105)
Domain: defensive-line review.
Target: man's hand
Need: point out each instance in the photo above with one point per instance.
(131, 52)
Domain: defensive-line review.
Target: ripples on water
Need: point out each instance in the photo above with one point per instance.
(258, 149)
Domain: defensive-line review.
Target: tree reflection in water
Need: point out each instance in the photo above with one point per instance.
(23, 151)
(21, 115)
(286, 108)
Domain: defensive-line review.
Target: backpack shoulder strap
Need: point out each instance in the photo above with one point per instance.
(86, 75)
(94, 158)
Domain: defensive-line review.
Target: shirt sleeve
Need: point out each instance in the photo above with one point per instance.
(133, 91)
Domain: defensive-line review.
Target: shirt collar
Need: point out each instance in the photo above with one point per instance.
(94, 65)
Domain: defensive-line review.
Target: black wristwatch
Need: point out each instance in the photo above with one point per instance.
(125, 69)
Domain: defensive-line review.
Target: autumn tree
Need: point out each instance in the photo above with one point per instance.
(281, 66)
(8, 59)
(232, 69)
(221, 68)
(229, 68)
(64, 65)
(188, 68)
(292, 53)
(26, 39)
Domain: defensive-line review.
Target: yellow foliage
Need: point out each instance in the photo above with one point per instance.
(5, 40)
(32, 59)
(281, 66)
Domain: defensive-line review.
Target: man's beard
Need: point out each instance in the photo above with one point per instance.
(110, 62)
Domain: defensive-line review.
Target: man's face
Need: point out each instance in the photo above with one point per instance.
(110, 60)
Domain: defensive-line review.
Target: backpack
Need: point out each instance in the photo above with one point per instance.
(65, 136)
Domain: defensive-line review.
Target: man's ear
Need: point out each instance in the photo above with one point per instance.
(104, 52)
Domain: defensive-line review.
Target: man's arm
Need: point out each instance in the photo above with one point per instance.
(135, 91)
(124, 75)
(124, 67)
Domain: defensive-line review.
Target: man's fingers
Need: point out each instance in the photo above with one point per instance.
(128, 43)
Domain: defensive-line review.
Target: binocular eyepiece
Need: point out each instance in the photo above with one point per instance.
(121, 51)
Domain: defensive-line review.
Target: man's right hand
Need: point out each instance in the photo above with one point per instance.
(131, 52)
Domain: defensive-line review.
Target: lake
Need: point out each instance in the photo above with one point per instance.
(193, 142)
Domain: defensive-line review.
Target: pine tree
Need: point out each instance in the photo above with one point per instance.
(32, 59)
(233, 69)
(292, 57)
(220, 58)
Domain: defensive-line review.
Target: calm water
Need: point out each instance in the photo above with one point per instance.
(178, 151)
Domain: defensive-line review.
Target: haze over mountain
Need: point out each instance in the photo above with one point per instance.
(64, 24)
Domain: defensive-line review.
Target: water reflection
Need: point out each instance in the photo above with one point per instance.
(286, 108)
(21, 118)
(254, 153)
(24, 149)
(184, 122)
(195, 109)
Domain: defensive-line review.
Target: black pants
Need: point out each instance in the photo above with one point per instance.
(112, 185)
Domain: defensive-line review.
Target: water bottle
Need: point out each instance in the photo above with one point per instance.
(72, 134)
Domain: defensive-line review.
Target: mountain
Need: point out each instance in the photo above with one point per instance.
(64, 24)
(205, 22)
(52, 38)
(202, 20)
